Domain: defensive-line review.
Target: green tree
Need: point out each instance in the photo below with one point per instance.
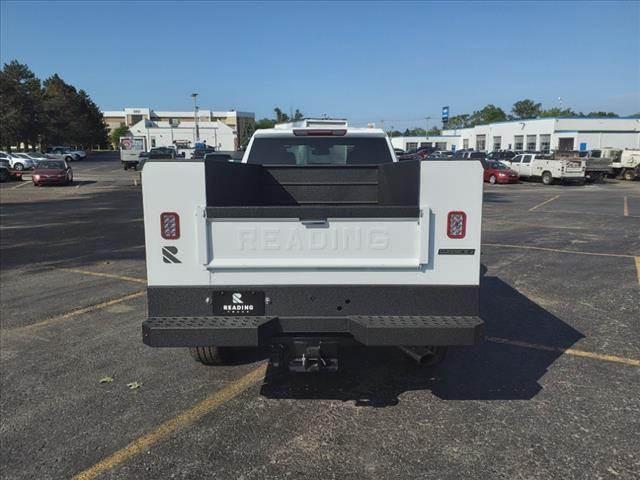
(297, 115)
(488, 114)
(434, 131)
(116, 133)
(602, 115)
(265, 123)
(415, 132)
(281, 117)
(20, 105)
(526, 109)
(557, 112)
(459, 121)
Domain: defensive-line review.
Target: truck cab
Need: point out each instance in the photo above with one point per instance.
(318, 239)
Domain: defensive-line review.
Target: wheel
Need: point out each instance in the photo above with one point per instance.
(547, 179)
(492, 179)
(69, 159)
(629, 175)
(18, 166)
(211, 355)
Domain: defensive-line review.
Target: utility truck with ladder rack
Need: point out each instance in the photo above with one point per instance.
(318, 239)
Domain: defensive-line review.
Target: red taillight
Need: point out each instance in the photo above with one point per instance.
(319, 133)
(170, 225)
(456, 224)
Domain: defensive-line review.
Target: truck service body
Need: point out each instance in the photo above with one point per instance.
(318, 238)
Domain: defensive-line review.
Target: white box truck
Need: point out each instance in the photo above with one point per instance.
(319, 238)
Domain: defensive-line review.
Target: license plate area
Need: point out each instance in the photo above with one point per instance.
(238, 303)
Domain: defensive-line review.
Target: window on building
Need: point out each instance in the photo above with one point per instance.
(153, 143)
(411, 145)
(545, 143)
(441, 145)
(481, 142)
(531, 143)
(518, 142)
(497, 143)
(426, 144)
(465, 143)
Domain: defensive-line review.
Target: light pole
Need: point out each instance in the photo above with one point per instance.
(195, 116)
(426, 119)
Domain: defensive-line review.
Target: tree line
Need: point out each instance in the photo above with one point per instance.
(48, 112)
(521, 110)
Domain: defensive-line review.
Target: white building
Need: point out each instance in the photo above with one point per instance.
(439, 142)
(539, 134)
(165, 134)
(243, 123)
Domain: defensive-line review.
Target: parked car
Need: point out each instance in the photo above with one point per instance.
(199, 152)
(424, 152)
(29, 161)
(497, 172)
(468, 155)
(81, 154)
(62, 153)
(441, 154)
(501, 155)
(162, 152)
(540, 166)
(16, 162)
(7, 172)
(52, 172)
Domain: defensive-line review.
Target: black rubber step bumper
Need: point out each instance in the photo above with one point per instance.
(367, 330)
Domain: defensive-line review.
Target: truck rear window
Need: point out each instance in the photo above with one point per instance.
(319, 151)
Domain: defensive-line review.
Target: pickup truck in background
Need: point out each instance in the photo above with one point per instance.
(317, 240)
(624, 163)
(536, 166)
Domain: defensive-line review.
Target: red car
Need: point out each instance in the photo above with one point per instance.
(7, 173)
(496, 172)
(52, 172)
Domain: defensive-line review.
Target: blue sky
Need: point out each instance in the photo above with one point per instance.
(366, 61)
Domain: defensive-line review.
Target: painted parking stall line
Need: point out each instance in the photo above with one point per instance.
(544, 203)
(175, 424)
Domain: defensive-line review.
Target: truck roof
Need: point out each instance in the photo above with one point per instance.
(289, 132)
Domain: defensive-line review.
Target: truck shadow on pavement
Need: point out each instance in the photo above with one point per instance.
(377, 377)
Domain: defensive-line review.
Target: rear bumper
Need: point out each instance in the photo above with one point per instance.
(365, 330)
(365, 314)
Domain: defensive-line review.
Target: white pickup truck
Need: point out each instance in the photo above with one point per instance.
(317, 239)
(539, 166)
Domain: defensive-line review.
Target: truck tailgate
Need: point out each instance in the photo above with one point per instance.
(313, 243)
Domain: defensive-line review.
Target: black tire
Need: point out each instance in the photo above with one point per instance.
(69, 159)
(547, 178)
(629, 175)
(18, 166)
(493, 179)
(211, 355)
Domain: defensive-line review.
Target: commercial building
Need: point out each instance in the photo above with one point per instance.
(538, 134)
(165, 134)
(439, 142)
(242, 123)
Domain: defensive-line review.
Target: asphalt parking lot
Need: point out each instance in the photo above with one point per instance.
(554, 392)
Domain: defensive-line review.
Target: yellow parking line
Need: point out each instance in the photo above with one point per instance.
(544, 203)
(105, 275)
(74, 313)
(625, 208)
(546, 249)
(168, 428)
(568, 351)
